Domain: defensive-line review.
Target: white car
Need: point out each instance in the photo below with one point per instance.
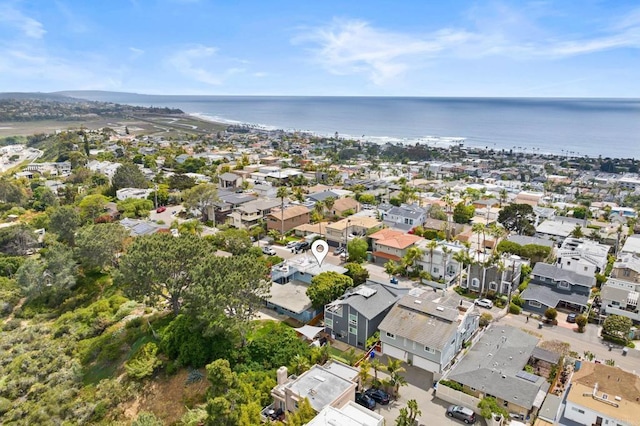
(484, 303)
(292, 244)
(269, 251)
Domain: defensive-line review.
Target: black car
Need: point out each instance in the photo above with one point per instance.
(300, 247)
(462, 413)
(378, 395)
(339, 250)
(572, 317)
(365, 400)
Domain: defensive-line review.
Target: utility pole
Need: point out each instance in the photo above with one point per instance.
(156, 194)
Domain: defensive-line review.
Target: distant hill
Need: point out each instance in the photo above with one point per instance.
(57, 97)
(105, 96)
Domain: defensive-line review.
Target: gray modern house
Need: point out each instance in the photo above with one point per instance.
(552, 287)
(428, 328)
(355, 316)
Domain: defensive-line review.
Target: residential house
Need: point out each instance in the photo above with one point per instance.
(290, 280)
(559, 228)
(603, 395)
(428, 329)
(620, 297)
(627, 267)
(331, 385)
(355, 316)
(405, 217)
(288, 219)
(265, 191)
(389, 244)
(553, 287)
(226, 204)
(439, 262)
(229, 181)
(583, 256)
(351, 414)
(342, 231)
(319, 197)
(530, 198)
(139, 227)
(494, 366)
(344, 206)
(500, 278)
(632, 244)
(138, 193)
(250, 214)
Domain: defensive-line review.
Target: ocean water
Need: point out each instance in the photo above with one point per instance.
(575, 127)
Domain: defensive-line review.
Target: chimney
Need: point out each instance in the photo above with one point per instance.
(281, 375)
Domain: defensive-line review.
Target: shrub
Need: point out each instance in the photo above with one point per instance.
(551, 314)
(143, 362)
(631, 345)
(485, 319)
(581, 320)
(514, 309)
(517, 300)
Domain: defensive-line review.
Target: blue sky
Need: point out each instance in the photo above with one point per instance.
(581, 48)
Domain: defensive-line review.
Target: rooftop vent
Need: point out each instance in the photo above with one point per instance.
(617, 398)
(605, 396)
(419, 302)
(321, 379)
(440, 308)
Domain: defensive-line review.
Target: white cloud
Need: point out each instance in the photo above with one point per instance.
(192, 63)
(29, 26)
(356, 47)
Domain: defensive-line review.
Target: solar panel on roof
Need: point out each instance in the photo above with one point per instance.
(527, 376)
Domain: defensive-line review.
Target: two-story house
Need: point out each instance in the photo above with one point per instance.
(620, 297)
(250, 214)
(439, 262)
(428, 329)
(331, 385)
(405, 217)
(356, 315)
(287, 219)
(226, 204)
(341, 232)
(389, 244)
(494, 366)
(500, 278)
(583, 256)
(627, 267)
(552, 287)
(558, 228)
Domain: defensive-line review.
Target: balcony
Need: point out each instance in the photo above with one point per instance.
(270, 413)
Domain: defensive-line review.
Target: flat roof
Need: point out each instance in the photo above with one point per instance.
(351, 414)
(320, 386)
(291, 296)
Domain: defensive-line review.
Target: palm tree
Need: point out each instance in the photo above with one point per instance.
(394, 368)
(445, 260)
(503, 196)
(431, 245)
(377, 366)
(328, 203)
(463, 259)
(577, 232)
(283, 192)
(479, 228)
(414, 411)
(413, 254)
(496, 232)
(299, 364)
(363, 373)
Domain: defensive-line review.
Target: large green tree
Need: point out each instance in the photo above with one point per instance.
(97, 245)
(160, 267)
(128, 175)
(228, 290)
(617, 326)
(236, 241)
(201, 198)
(92, 206)
(327, 287)
(357, 273)
(357, 250)
(463, 213)
(518, 218)
(64, 221)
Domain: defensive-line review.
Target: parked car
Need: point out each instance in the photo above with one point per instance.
(572, 317)
(161, 209)
(365, 400)
(378, 395)
(268, 250)
(292, 244)
(462, 413)
(393, 280)
(484, 303)
(339, 250)
(300, 247)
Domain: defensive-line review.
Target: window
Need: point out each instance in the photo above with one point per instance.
(564, 284)
(435, 270)
(493, 286)
(328, 322)
(353, 330)
(428, 349)
(586, 268)
(391, 335)
(505, 403)
(577, 409)
(353, 319)
(535, 303)
(626, 273)
(475, 283)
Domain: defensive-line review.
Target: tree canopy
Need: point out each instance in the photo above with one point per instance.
(98, 245)
(201, 198)
(518, 218)
(327, 287)
(617, 326)
(128, 175)
(357, 249)
(463, 213)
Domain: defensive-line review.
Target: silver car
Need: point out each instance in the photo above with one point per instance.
(484, 303)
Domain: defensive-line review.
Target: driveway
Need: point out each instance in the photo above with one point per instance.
(167, 216)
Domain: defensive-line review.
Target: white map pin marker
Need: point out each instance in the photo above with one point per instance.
(320, 249)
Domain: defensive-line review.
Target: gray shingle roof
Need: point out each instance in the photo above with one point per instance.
(229, 176)
(523, 240)
(558, 274)
(494, 361)
(548, 297)
(384, 296)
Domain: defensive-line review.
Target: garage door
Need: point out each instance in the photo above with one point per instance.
(426, 364)
(394, 352)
